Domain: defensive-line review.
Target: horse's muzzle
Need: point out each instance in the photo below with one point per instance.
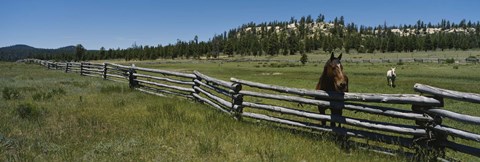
(343, 86)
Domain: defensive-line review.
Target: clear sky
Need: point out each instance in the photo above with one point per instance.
(120, 23)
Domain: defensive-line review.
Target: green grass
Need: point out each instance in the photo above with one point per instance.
(89, 119)
(320, 55)
(363, 77)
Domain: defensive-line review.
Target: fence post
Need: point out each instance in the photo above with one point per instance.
(237, 100)
(81, 68)
(434, 139)
(104, 70)
(131, 78)
(66, 67)
(196, 85)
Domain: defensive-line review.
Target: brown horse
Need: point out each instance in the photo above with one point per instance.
(333, 79)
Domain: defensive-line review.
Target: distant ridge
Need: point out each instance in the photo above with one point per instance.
(21, 51)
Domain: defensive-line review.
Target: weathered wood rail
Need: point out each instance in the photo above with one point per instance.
(420, 126)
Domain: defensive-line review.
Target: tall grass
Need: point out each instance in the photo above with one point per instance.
(97, 120)
(364, 78)
(89, 119)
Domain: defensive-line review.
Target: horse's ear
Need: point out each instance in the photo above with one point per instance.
(332, 56)
(340, 56)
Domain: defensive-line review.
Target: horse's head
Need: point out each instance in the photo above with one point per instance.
(333, 69)
(393, 71)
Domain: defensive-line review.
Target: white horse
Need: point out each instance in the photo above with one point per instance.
(391, 77)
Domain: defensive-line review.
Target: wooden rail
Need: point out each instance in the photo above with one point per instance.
(462, 96)
(364, 97)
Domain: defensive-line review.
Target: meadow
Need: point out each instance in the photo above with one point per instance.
(50, 115)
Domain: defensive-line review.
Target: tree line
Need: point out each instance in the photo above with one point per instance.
(300, 36)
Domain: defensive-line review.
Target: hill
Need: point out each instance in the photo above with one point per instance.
(21, 51)
(310, 35)
(304, 35)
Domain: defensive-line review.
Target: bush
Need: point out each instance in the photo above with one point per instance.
(24, 110)
(28, 111)
(304, 59)
(9, 93)
(400, 62)
(450, 61)
(274, 65)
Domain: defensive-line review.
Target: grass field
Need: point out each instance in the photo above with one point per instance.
(318, 56)
(55, 116)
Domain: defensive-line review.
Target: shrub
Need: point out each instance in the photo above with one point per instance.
(450, 61)
(28, 111)
(400, 62)
(24, 110)
(10, 93)
(455, 67)
(304, 59)
(292, 65)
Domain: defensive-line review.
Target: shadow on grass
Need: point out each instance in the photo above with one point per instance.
(347, 145)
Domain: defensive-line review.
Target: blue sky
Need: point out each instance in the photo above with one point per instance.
(120, 23)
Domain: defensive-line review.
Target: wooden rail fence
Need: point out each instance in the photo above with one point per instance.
(419, 126)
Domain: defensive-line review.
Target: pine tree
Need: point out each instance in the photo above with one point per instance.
(428, 43)
(229, 48)
(293, 43)
(109, 54)
(102, 53)
(304, 59)
(79, 52)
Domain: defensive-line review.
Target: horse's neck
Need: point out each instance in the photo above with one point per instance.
(326, 83)
(389, 73)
